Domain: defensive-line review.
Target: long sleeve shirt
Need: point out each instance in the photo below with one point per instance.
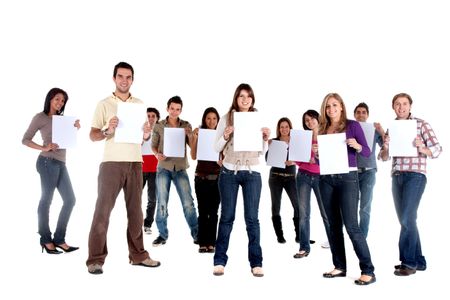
(221, 142)
(419, 162)
(354, 130)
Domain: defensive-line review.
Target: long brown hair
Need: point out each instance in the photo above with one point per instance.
(324, 120)
(284, 119)
(235, 106)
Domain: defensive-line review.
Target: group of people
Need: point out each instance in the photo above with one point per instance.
(343, 199)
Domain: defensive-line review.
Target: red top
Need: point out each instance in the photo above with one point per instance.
(150, 163)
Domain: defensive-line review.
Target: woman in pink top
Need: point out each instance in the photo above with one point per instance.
(308, 177)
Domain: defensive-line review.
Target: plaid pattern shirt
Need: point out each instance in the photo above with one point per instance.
(419, 163)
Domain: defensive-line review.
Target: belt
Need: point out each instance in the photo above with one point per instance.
(361, 170)
(283, 174)
(207, 177)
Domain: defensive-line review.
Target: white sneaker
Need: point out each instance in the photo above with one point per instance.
(147, 230)
(325, 245)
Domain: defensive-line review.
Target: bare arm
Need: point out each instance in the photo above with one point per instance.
(384, 151)
(97, 134)
(46, 148)
(194, 144)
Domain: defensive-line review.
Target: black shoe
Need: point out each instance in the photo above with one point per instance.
(50, 251)
(340, 273)
(312, 242)
(159, 241)
(404, 271)
(281, 240)
(68, 249)
(362, 282)
(419, 268)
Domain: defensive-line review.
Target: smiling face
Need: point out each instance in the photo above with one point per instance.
(211, 120)
(244, 101)
(57, 103)
(311, 122)
(402, 108)
(285, 129)
(123, 80)
(361, 114)
(333, 109)
(152, 118)
(174, 110)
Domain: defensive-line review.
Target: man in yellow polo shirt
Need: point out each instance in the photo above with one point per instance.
(121, 168)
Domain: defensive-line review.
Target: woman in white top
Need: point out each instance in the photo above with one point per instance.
(240, 168)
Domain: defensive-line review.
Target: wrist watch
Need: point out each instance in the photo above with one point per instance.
(105, 132)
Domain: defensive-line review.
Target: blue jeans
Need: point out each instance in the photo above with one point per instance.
(251, 190)
(306, 183)
(366, 183)
(54, 175)
(340, 198)
(407, 190)
(181, 181)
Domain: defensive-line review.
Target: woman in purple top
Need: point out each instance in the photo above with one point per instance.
(340, 192)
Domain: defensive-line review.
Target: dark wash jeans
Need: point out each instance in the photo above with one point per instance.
(407, 190)
(54, 176)
(306, 183)
(340, 198)
(229, 183)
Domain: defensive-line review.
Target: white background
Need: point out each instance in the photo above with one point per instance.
(292, 53)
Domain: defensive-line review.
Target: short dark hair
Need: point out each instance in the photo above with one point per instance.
(312, 114)
(155, 111)
(175, 99)
(48, 99)
(361, 105)
(123, 65)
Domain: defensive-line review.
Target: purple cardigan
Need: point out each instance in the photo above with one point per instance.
(354, 130)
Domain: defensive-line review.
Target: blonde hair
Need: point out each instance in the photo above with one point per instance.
(324, 120)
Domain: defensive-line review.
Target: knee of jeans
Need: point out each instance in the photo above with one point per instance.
(188, 206)
(227, 218)
(162, 211)
(408, 223)
(70, 202)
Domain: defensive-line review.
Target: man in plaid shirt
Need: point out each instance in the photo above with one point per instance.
(408, 184)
